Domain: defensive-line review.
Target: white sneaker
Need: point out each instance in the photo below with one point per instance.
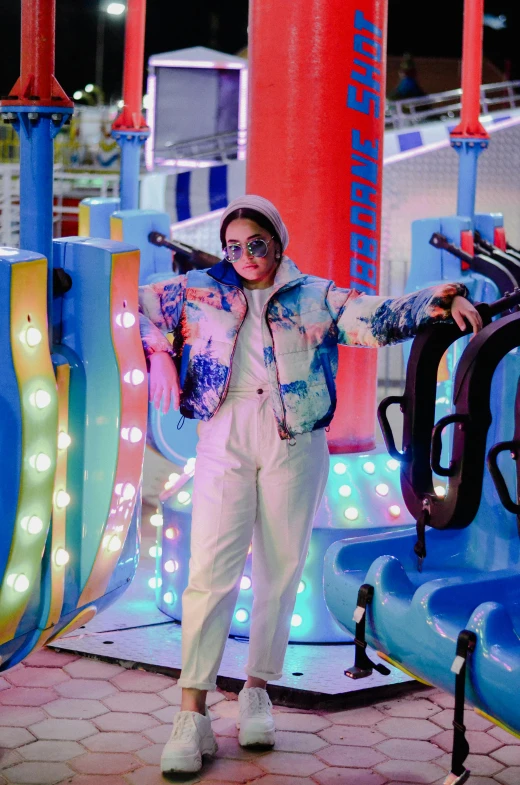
(191, 738)
(256, 724)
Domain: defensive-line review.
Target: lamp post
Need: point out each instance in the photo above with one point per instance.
(112, 9)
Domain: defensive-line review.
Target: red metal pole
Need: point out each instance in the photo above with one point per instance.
(37, 85)
(315, 148)
(131, 117)
(469, 125)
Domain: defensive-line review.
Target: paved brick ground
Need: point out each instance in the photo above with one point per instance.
(75, 720)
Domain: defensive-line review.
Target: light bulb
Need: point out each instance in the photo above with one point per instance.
(20, 583)
(32, 525)
(369, 467)
(61, 557)
(170, 533)
(393, 464)
(62, 499)
(64, 440)
(382, 489)
(154, 583)
(40, 399)
(301, 587)
(134, 377)
(33, 336)
(114, 544)
(125, 319)
(183, 497)
(40, 462)
(133, 434)
(296, 620)
(168, 598)
(172, 479)
(440, 491)
(394, 510)
(241, 615)
(155, 550)
(171, 566)
(245, 582)
(345, 490)
(156, 519)
(128, 491)
(340, 468)
(351, 513)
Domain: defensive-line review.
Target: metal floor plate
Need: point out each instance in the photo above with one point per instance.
(135, 631)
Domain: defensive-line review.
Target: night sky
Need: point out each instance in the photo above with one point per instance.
(222, 24)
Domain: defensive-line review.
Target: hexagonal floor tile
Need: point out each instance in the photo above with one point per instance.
(105, 763)
(125, 721)
(42, 773)
(172, 694)
(227, 771)
(304, 723)
(75, 708)
(293, 741)
(10, 738)
(502, 735)
(273, 779)
(353, 757)
(141, 702)
(365, 716)
(4, 685)
(404, 728)
(509, 776)
(158, 735)
(97, 779)
(151, 775)
(228, 747)
(20, 716)
(354, 736)
(142, 681)
(409, 749)
(418, 708)
(27, 696)
(116, 742)
(411, 771)
(86, 688)
(51, 750)
(226, 709)
(224, 726)
(36, 677)
(509, 755)
(290, 763)
(85, 668)
(9, 758)
(333, 776)
(479, 743)
(472, 720)
(63, 730)
(151, 754)
(479, 765)
(50, 658)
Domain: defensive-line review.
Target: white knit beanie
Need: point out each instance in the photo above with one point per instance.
(263, 206)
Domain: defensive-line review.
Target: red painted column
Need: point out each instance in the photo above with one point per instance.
(37, 85)
(131, 117)
(315, 148)
(471, 71)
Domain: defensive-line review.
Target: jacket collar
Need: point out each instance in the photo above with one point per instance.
(225, 273)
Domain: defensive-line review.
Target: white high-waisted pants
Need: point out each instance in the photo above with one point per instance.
(249, 486)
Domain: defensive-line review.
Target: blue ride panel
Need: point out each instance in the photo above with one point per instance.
(134, 226)
(94, 216)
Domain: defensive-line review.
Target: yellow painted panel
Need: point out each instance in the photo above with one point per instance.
(84, 220)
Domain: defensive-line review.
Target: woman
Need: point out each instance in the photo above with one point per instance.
(255, 345)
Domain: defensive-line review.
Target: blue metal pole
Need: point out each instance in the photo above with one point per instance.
(468, 151)
(130, 143)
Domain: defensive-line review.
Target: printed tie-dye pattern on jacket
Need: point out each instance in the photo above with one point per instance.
(303, 322)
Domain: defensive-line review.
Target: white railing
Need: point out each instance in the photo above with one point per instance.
(447, 105)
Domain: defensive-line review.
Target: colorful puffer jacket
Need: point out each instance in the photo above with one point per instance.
(303, 321)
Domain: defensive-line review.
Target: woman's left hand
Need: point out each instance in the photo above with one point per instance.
(462, 309)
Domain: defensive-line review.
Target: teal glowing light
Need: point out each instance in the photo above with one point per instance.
(168, 598)
(154, 583)
(242, 615)
(369, 467)
(301, 587)
(351, 513)
(296, 620)
(345, 491)
(245, 582)
(382, 489)
(339, 468)
(392, 464)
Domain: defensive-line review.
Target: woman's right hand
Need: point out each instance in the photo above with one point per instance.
(164, 381)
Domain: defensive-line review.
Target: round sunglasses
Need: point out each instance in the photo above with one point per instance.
(257, 247)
